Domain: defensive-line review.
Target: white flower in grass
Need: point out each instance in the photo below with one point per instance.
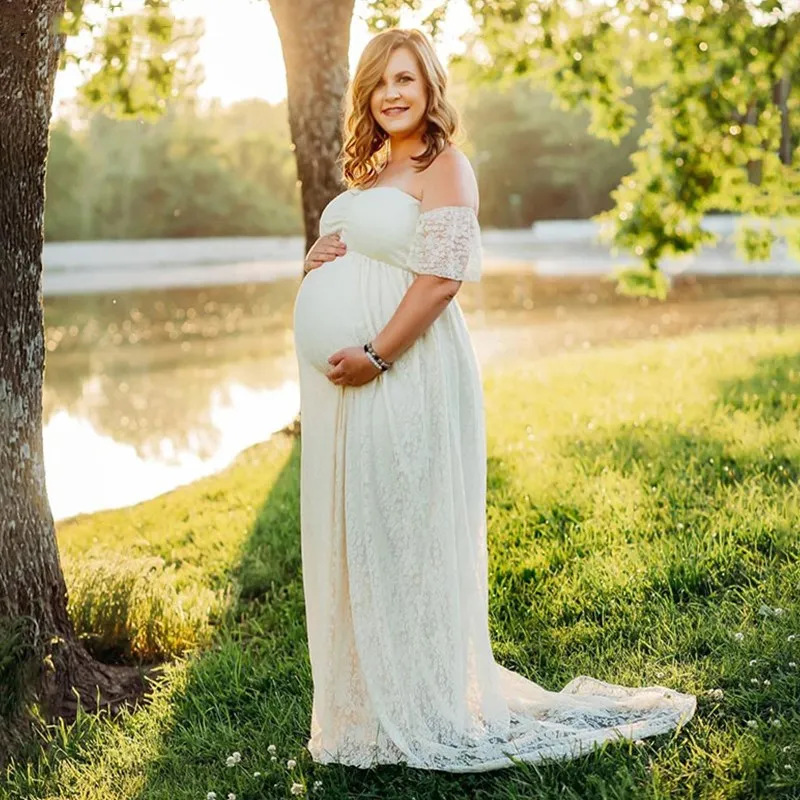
(778, 612)
(738, 636)
(716, 694)
(753, 662)
(298, 788)
(317, 785)
(639, 742)
(291, 764)
(274, 759)
(659, 675)
(787, 766)
(751, 723)
(272, 749)
(791, 637)
(787, 748)
(256, 774)
(754, 680)
(231, 796)
(765, 611)
(767, 682)
(231, 761)
(776, 723)
(792, 664)
(211, 796)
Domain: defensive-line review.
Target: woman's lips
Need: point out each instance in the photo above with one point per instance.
(393, 112)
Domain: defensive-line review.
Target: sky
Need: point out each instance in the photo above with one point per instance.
(241, 54)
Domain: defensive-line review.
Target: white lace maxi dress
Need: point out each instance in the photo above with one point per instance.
(393, 482)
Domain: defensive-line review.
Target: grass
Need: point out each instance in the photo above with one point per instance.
(643, 518)
(128, 609)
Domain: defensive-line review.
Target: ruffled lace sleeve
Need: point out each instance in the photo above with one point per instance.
(447, 243)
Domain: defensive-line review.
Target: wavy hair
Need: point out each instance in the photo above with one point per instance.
(365, 148)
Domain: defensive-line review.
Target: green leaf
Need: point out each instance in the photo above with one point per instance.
(642, 282)
(755, 243)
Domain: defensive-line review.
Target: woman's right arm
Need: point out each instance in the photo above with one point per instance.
(325, 249)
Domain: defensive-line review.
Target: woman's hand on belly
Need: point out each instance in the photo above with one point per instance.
(326, 248)
(351, 367)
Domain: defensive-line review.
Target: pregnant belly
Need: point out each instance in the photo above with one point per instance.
(329, 312)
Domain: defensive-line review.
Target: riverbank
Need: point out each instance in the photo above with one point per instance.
(642, 509)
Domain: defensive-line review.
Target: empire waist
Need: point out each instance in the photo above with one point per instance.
(346, 302)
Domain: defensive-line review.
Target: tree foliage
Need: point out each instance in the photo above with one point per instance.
(156, 163)
(128, 59)
(194, 172)
(724, 82)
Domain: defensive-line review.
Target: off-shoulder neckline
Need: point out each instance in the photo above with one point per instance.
(396, 188)
(410, 197)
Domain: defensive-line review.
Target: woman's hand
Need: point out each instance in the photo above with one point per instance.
(325, 249)
(351, 367)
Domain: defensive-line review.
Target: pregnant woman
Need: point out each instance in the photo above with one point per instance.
(393, 463)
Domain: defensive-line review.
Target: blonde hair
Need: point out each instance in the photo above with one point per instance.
(365, 149)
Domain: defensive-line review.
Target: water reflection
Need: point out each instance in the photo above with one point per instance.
(88, 470)
(147, 390)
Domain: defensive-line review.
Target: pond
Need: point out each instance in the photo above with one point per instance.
(149, 389)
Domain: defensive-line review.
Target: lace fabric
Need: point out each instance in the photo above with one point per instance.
(447, 243)
(393, 519)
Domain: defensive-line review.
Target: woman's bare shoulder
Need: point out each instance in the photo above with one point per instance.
(450, 180)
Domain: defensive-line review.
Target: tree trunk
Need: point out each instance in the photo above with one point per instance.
(782, 91)
(33, 596)
(315, 39)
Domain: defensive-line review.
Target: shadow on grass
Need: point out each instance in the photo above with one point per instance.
(772, 390)
(709, 532)
(687, 483)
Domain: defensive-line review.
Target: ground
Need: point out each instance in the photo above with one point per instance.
(643, 514)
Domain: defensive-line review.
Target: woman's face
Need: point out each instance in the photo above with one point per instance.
(400, 99)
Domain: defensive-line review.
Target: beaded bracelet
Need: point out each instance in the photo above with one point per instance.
(374, 362)
(375, 358)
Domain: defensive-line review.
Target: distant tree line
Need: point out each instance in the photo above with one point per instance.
(210, 172)
(536, 161)
(230, 171)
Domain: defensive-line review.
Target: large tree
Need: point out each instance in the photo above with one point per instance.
(38, 646)
(315, 38)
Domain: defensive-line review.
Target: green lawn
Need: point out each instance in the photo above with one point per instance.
(643, 522)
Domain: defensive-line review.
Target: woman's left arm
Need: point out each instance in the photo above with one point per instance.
(421, 305)
(448, 202)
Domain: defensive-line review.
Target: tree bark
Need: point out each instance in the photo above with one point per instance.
(315, 39)
(782, 91)
(33, 595)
